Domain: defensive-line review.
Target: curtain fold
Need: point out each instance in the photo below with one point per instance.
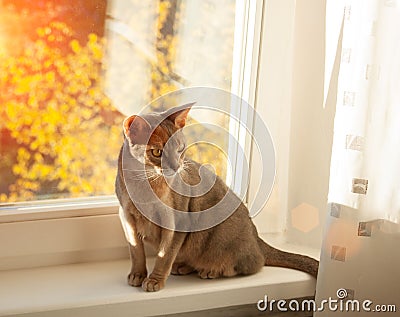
(360, 254)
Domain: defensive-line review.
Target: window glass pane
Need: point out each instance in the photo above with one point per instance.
(71, 70)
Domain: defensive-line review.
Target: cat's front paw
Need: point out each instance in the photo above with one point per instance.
(152, 284)
(136, 279)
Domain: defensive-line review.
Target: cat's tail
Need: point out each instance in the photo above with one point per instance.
(276, 257)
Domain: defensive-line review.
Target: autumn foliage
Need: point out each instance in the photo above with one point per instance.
(59, 132)
(53, 106)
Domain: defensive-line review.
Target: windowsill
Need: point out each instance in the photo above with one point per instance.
(58, 209)
(100, 288)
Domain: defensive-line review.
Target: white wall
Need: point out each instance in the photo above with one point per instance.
(290, 98)
(273, 103)
(312, 123)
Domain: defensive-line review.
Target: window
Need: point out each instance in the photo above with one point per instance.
(53, 104)
(70, 71)
(67, 59)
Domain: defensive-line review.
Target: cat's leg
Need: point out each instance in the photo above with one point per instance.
(170, 245)
(136, 250)
(181, 269)
(138, 264)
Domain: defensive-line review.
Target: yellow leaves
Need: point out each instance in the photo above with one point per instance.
(23, 154)
(86, 187)
(56, 109)
(105, 102)
(93, 93)
(53, 117)
(165, 54)
(73, 87)
(51, 38)
(166, 87)
(42, 32)
(87, 113)
(163, 9)
(61, 66)
(75, 46)
(24, 85)
(17, 170)
(11, 110)
(71, 102)
(62, 27)
(97, 52)
(50, 77)
(92, 38)
(55, 32)
(95, 47)
(38, 157)
(3, 198)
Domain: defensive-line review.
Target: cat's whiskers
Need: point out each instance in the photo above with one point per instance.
(155, 178)
(186, 166)
(154, 173)
(143, 174)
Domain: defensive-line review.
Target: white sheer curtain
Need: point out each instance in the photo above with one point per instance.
(361, 248)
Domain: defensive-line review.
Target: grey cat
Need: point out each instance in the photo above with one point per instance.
(186, 212)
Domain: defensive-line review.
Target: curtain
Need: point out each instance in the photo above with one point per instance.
(360, 256)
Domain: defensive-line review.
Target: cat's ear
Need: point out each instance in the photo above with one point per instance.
(179, 117)
(137, 129)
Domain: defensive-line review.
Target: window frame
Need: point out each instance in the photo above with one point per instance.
(248, 34)
(45, 233)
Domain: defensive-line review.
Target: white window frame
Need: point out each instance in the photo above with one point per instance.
(248, 31)
(76, 230)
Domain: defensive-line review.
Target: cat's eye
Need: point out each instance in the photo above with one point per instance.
(156, 152)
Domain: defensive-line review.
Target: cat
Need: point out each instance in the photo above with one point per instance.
(230, 248)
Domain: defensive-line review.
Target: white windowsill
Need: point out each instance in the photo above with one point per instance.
(58, 209)
(100, 289)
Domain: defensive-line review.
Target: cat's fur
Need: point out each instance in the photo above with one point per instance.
(230, 248)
